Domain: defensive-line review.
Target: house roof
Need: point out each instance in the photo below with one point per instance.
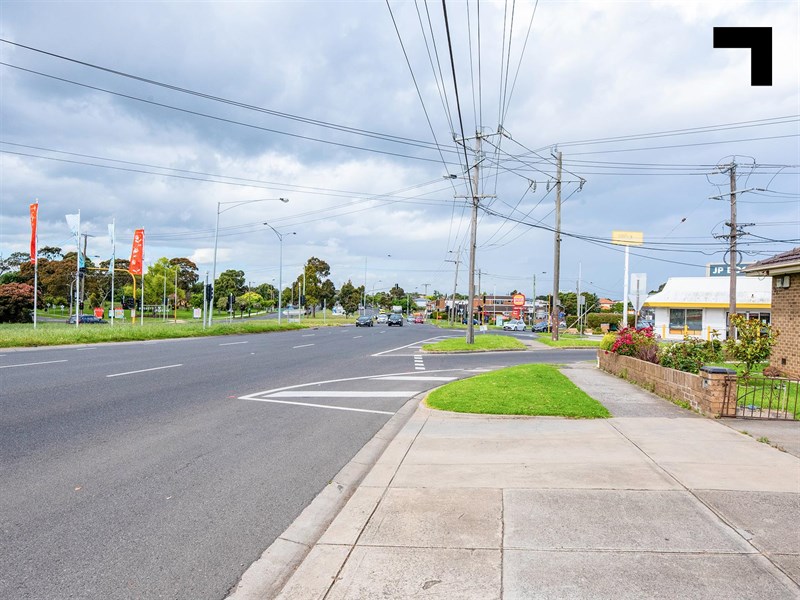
(605, 301)
(712, 292)
(780, 264)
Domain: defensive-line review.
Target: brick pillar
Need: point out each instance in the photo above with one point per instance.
(716, 382)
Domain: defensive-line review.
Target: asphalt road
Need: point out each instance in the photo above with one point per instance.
(136, 470)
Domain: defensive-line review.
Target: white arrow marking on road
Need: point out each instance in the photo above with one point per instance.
(47, 362)
(144, 370)
(364, 410)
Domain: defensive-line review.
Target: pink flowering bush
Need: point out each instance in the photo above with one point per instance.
(637, 343)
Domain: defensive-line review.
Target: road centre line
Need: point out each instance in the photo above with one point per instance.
(344, 394)
(363, 410)
(47, 362)
(144, 370)
(302, 346)
(308, 335)
(232, 343)
(358, 336)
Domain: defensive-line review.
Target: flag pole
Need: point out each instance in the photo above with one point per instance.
(113, 257)
(78, 273)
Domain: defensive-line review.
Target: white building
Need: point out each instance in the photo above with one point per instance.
(698, 306)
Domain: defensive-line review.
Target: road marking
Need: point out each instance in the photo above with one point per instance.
(341, 394)
(232, 343)
(308, 335)
(254, 396)
(419, 368)
(303, 346)
(358, 336)
(144, 370)
(414, 378)
(409, 345)
(47, 362)
(363, 410)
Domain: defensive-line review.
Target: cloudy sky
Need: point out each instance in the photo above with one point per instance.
(159, 114)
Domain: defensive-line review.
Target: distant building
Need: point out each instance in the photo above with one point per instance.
(605, 304)
(782, 272)
(698, 306)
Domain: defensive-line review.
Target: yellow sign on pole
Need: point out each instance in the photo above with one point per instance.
(627, 238)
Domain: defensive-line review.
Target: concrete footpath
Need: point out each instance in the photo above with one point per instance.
(655, 502)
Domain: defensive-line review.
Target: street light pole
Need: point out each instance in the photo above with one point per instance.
(280, 267)
(234, 204)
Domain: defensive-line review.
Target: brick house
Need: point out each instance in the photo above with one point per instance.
(784, 269)
(605, 303)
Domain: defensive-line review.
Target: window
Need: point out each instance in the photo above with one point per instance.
(686, 318)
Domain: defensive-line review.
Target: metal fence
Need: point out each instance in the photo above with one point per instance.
(760, 397)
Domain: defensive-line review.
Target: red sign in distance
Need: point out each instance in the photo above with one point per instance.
(518, 300)
(98, 312)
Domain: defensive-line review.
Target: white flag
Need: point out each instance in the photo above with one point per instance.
(74, 223)
(113, 248)
(111, 235)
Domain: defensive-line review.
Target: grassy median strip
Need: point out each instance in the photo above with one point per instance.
(536, 390)
(566, 340)
(483, 342)
(55, 334)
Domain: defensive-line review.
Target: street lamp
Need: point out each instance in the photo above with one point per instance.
(280, 268)
(234, 204)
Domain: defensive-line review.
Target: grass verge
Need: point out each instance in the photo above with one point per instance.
(566, 340)
(482, 343)
(536, 390)
(56, 334)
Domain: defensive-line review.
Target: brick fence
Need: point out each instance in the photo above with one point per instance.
(705, 392)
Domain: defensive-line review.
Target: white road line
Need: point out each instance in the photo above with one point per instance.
(357, 336)
(47, 362)
(144, 370)
(232, 343)
(419, 368)
(414, 378)
(407, 346)
(341, 394)
(303, 346)
(308, 335)
(363, 410)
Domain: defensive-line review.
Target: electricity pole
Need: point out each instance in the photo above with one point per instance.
(554, 316)
(455, 287)
(732, 261)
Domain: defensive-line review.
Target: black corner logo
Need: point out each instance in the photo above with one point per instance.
(759, 40)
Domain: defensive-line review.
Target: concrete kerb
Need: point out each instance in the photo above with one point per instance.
(266, 576)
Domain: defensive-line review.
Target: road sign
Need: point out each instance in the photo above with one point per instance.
(627, 238)
(518, 300)
(638, 292)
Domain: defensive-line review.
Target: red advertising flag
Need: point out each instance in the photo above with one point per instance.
(34, 217)
(137, 251)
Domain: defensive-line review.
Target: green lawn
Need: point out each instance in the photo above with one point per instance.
(567, 340)
(483, 342)
(53, 334)
(537, 390)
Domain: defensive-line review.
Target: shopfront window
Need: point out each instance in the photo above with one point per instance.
(686, 318)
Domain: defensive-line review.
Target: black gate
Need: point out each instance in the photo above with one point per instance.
(760, 397)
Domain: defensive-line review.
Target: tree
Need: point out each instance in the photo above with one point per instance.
(327, 292)
(16, 303)
(187, 272)
(268, 292)
(229, 282)
(755, 342)
(50, 253)
(13, 261)
(250, 301)
(315, 269)
(350, 297)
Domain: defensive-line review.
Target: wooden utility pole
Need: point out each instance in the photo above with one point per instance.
(732, 253)
(473, 240)
(554, 316)
(455, 287)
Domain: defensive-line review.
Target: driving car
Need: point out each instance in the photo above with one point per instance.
(87, 319)
(382, 318)
(418, 319)
(395, 319)
(514, 325)
(364, 321)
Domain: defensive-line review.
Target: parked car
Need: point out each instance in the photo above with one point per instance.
(514, 325)
(543, 326)
(88, 319)
(364, 321)
(395, 319)
(382, 318)
(645, 323)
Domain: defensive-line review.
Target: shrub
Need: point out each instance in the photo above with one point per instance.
(691, 354)
(594, 320)
(754, 344)
(16, 303)
(637, 343)
(608, 341)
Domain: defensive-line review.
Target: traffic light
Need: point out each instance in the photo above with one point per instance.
(80, 305)
(209, 291)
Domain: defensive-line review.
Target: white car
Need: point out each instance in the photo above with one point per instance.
(382, 319)
(514, 325)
